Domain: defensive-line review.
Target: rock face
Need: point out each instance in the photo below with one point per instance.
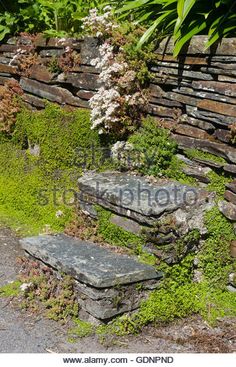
(106, 282)
(165, 210)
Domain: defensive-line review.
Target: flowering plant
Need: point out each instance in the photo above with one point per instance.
(118, 105)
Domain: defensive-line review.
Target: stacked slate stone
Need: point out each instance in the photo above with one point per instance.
(167, 216)
(107, 283)
(44, 78)
(194, 96)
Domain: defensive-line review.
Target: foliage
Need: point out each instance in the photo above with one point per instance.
(218, 182)
(113, 234)
(199, 154)
(53, 17)
(9, 105)
(214, 257)
(56, 296)
(38, 193)
(80, 330)
(68, 132)
(183, 19)
(29, 198)
(118, 105)
(11, 289)
(154, 147)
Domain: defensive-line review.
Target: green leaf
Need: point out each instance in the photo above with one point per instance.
(195, 27)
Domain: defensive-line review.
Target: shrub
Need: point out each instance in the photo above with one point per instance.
(155, 147)
(184, 18)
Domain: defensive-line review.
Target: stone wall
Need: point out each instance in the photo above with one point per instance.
(198, 96)
(194, 96)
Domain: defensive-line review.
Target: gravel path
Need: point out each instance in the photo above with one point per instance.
(21, 331)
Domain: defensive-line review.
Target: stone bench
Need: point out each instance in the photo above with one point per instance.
(161, 210)
(107, 283)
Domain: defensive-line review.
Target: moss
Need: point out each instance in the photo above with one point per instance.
(81, 329)
(34, 189)
(11, 289)
(195, 153)
(215, 259)
(30, 198)
(65, 137)
(218, 182)
(113, 234)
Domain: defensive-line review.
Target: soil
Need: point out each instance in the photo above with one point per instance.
(24, 332)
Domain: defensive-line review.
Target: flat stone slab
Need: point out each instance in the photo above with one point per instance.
(137, 198)
(87, 262)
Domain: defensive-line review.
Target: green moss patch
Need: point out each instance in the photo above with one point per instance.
(11, 289)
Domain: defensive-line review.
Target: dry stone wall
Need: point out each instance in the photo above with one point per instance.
(194, 96)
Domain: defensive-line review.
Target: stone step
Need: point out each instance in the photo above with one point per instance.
(107, 283)
(87, 262)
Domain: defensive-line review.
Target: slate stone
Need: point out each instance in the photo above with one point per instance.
(230, 196)
(199, 173)
(189, 100)
(227, 89)
(83, 80)
(85, 94)
(147, 203)
(156, 91)
(219, 149)
(109, 302)
(233, 249)
(4, 79)
(209, 163)
(87, 262)
(212, 117)
(162, 111)
(89, 50)
(74, 43)
(51, 53)
(127, 224)
(218, 107)
(33, 100)
(51, 93)
(205, 95)
(166, 80)
(223, 135)
(227, 46)
(41, 73)
(231, 186)
(8, 48)
(5, 60)
(135, 193)
(165, 102)
(216, 71)
(226, 78)
(188, 74)
(8, 69)
(192, 132)
(230, 168)
(228, 209)
(201, 124)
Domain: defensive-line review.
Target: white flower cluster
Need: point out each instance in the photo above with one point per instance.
(122, 154)
(117, 100)
(99, 25)
(125, 154)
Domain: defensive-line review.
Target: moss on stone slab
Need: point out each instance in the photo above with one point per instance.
(205, 156)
